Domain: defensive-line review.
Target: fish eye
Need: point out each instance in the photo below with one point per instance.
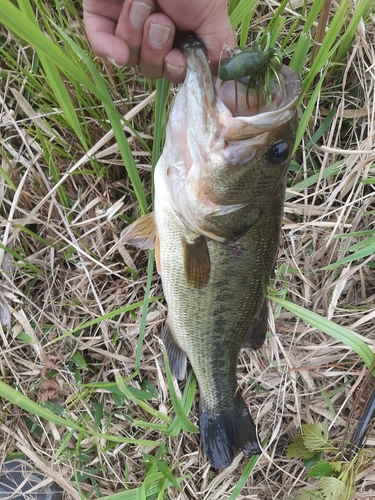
(278, 153)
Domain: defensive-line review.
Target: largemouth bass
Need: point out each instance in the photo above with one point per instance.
(219, 193)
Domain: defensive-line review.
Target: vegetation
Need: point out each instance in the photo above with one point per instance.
(85, 395)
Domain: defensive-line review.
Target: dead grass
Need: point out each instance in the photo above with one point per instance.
(64, 273)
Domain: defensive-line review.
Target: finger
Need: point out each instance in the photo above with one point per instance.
(175, 66)
(100, 32)
(217, 33)
(158, 36)
(131, 24)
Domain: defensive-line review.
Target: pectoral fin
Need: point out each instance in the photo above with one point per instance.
(197, 262)
(142, 233)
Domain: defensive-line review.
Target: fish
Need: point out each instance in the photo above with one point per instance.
(219, 193)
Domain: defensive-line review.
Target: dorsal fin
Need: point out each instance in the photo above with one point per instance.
(197, 262)
(141, 233)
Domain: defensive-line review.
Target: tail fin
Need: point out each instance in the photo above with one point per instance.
(223, 434)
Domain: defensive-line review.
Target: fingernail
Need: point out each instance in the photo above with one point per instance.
(158, 35)
(112, 61)
(173, 70)
(138, 14)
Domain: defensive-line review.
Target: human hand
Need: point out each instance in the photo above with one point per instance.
(130, 32)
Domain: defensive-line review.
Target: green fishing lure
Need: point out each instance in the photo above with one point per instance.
(255, 64)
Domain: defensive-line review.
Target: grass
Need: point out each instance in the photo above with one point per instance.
(84, 391)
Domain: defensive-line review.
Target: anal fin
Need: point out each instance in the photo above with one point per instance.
(141, 233)
(197, 262)
(176, 356)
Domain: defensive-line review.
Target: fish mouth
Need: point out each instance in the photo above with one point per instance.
(210, 156)
(203, 103)
(214, 102)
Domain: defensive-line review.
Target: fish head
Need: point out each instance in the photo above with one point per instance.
(223, 170)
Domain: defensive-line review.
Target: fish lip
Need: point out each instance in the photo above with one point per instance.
(212, 110)
(193, 42)
(199, 83)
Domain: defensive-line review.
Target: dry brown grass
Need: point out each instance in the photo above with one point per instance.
(71, 275)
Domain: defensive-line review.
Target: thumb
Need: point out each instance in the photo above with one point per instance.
(217, 34)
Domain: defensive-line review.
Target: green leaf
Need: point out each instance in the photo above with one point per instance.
(307, 495)
(362, 10)
(315, 436)
(306, 117)
(298, 449)
(130, 394)
(163, 467)
(79, 360)
(310, 462)
(321, 469)
(332, 488)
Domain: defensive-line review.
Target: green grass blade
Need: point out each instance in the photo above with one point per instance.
(24, 28)
(162, 92)
(244, 477)
(243, 9)
(147, 300)
(323, 128)
(19, 257)
(329, 44)
(115, 120)
(245, 25)
(5, 176)
(18, 399)
(357, 255)
(277, 22)
(301, 50)
(327, 326)
(313, 14)
(54, 80)
(362, 244)
(109, 315)
(313, 179)
(308, 111)
(186, 401)
(362, 11)
(129, 394)
(152, 482)
(186, 425)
